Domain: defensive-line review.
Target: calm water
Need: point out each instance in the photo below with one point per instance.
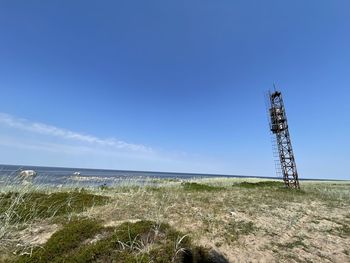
(55, 176)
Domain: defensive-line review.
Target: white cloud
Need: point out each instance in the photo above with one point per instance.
(41, 128)
(33, 143)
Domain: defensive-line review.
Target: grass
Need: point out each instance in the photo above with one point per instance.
(191, 186)
(249, 185)
(237, 228)
(241, 219)
(143, 241)
(293, 244)
(19, 207)
(343, 230)
(241, 227)
(20, 210)
(61, 244)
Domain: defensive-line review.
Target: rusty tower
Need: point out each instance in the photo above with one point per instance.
(282, 146)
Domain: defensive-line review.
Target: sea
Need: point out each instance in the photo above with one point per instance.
(82, 177)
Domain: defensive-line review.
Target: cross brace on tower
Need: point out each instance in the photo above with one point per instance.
(279, 127)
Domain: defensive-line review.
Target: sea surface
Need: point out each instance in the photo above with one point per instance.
(58, 176)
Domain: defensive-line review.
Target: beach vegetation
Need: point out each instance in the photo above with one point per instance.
(18, 207)
(59, 247)
(143, 241)
(182, 221)
(261, 184)
(21, 210)
(192, 186)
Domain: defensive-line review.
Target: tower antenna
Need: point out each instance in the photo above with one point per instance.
(279, 128)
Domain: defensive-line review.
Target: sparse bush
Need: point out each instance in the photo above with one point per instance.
(236, 228)
(143, 241)
(18, 210)
(59, 247)
(274, 184)
(200, 187)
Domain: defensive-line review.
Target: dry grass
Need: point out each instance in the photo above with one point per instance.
(263, 222)
(29, 214)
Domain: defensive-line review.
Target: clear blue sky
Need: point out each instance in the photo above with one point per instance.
(174, 85)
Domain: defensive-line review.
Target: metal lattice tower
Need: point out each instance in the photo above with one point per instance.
(281, 142)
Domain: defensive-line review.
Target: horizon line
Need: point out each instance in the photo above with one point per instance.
(172, 172)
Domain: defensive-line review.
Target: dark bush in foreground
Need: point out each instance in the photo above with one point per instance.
(63, 242)
(143, 241)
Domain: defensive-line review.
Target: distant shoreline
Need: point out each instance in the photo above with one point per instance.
(168, 173)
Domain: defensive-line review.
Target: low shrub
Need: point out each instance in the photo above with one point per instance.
(61, 244)
(143, 241)
(200, 187)
(274, 184)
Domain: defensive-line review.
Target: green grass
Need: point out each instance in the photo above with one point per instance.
(143, 241)
(234, 229)
(200, 187)
(59, 247)
(274, 184)
(36, 205)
